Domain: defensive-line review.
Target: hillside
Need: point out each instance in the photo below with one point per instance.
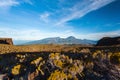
(109, 41)
(6, 41)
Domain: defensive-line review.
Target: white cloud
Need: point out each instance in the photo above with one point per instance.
(23, 34)
(81, 9)
(8, 3)
(111, 24)
(45, 17)
(35, 34)
(30, 34)
(97, 36)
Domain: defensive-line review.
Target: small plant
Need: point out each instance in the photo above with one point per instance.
(58, 75)
(39, 67)
(36, 61)
(16, 69)
(115, 58)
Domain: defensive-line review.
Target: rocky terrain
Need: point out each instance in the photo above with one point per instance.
(59, 62)
(6, 41)
(86, 65)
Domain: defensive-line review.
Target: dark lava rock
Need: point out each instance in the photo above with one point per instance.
(6, 41)
(108, 41)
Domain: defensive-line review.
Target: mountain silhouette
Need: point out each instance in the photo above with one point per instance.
(58, 40)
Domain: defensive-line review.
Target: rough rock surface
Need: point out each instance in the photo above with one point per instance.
(58, 66)
(108, 41)
(6, 41)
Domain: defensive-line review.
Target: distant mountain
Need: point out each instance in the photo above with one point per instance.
(19, 42)
(58, 40)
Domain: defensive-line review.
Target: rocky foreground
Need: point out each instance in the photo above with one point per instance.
(60, 62)
(87, 64)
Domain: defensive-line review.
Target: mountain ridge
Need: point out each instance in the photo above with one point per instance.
(58, 40)
(109, 41)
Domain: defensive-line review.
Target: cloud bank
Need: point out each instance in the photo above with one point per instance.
(35, 34)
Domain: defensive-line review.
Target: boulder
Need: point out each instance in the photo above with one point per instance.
(6, 41)
(108, 41)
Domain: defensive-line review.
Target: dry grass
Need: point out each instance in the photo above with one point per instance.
(39, 48)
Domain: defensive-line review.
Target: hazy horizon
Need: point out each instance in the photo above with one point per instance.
(39, 19)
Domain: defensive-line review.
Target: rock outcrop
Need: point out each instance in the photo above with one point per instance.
(6, 41)
(108, 41)
(59, 66)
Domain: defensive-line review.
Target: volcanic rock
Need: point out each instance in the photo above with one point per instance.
(6, 41)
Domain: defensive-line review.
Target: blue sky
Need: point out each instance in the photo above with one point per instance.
(38, 19)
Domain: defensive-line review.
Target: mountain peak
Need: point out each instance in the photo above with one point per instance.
(71, 37)
(58, 40)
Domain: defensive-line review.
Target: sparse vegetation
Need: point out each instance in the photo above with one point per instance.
(115, 58)
(16, 69)
(59, 62)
